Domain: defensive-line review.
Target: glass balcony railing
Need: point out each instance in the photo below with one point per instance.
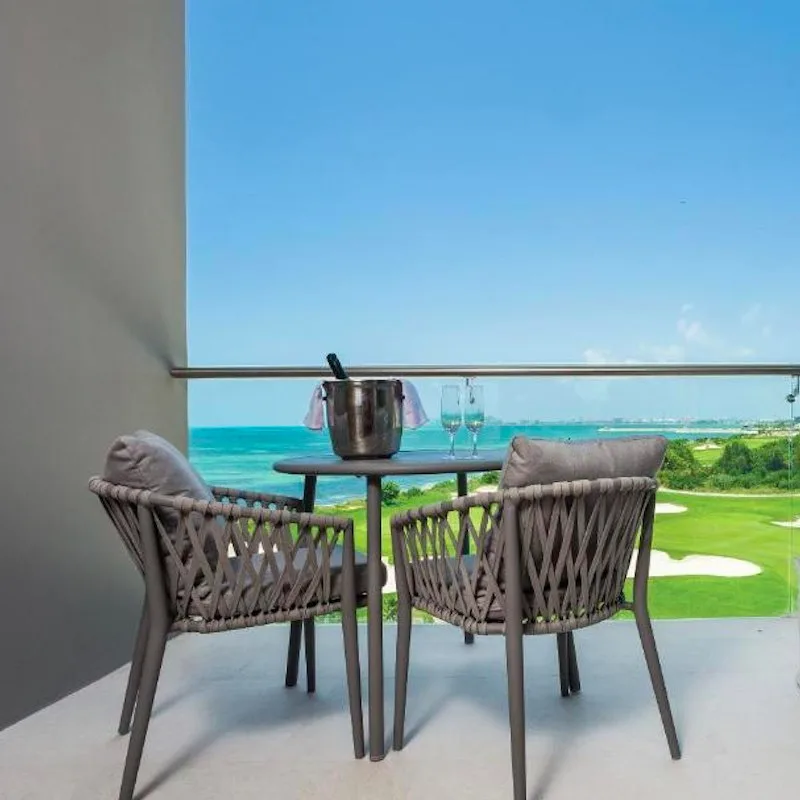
(728, 511)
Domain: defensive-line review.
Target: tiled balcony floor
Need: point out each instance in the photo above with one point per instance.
(225, 726)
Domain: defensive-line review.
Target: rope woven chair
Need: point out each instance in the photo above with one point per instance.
(224, 494)
(224, 565)
(546, 559)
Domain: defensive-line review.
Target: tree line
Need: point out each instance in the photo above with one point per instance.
(774, 465)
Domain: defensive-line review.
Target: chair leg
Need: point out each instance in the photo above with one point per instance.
(135, 674)
(353, 668)
(151, 668)
(293, 657)
(562, 645)
(311, 655)
(568, 664)
(657, 679)
(402, 655)
(516, 705)
(574, 675)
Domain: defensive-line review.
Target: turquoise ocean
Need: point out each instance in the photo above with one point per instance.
(243, 457)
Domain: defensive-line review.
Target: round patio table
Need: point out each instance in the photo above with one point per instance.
(416, 462)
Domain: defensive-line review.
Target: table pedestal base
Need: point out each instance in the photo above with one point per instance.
(375, 619)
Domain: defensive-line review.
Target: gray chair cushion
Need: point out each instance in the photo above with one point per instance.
(145, 460)
(532, 461)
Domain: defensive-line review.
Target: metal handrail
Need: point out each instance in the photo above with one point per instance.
(495, 371)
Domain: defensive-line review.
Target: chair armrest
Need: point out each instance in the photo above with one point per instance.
(429, 545)
(431, 526)
(440, 510)
(265, 499)
(241, 497)
(224, 513)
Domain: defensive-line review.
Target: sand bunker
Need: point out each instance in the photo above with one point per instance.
(391, 581)
(670, 508)
(795, 524)
(662, 565)
(478, 490)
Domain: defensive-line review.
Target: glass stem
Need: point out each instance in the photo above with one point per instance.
(452, 444)
(474, 444)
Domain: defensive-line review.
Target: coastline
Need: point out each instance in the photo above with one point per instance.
(244, 456)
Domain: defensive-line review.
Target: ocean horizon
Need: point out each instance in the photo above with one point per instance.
(242, 457)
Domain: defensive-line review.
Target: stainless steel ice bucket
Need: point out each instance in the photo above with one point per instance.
(365, 417)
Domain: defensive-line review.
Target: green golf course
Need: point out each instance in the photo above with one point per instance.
(735, 527)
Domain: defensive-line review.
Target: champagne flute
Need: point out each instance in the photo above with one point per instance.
(451, 414)
(474, 416)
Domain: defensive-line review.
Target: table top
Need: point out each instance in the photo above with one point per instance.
(412, 462)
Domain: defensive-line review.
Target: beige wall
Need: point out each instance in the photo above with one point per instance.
(92, 310)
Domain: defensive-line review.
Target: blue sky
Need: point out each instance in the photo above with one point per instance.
(473, 182)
